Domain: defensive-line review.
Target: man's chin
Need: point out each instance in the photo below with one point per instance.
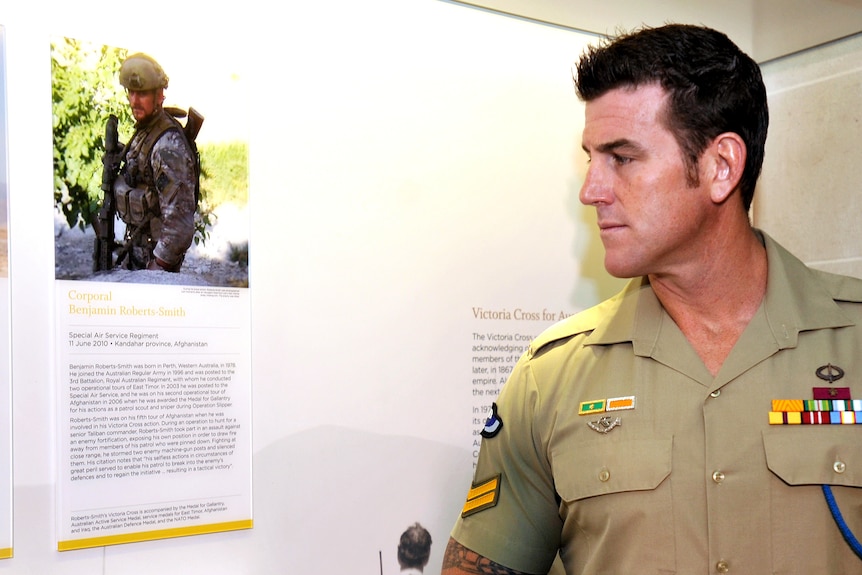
(621, 270)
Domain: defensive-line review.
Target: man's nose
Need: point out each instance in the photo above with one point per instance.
(595, 189)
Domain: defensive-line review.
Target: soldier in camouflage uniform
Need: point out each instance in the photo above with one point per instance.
(155, 189)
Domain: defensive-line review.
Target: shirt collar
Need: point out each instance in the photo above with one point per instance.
(797, 299)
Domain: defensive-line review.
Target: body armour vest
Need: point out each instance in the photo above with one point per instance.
(138, 170)
(138, 201)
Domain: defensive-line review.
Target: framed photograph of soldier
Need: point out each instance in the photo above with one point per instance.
(152, 302)
(5, 328)
(144, 179)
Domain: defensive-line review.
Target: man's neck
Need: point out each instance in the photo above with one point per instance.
(149, 119)
(713, 301)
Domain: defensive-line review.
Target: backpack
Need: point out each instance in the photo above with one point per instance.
(190, 131)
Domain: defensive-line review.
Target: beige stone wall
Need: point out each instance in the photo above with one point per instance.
(810, 194)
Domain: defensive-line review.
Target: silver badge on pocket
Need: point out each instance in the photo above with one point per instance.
(605, 424)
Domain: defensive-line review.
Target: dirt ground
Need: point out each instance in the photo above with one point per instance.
(210, 264)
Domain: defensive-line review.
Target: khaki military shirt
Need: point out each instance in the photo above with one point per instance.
(689, 477)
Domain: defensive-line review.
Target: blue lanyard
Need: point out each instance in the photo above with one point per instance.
(839, 520)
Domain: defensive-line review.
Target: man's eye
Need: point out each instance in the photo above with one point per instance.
(621, 160)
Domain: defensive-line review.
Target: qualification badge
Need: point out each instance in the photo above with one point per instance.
(606, 423)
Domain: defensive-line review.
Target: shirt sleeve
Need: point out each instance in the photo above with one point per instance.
(512, 512)
(174, 178)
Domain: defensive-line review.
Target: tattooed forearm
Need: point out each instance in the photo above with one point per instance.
(459, 560)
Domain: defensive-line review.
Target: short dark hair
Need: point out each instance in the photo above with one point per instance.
(414, 549)
(713, 87)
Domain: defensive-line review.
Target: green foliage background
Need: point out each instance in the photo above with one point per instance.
(85, 91)
(225, 172)
(224, 178)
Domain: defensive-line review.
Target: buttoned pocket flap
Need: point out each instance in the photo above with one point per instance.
(808, 455)
(601, 467)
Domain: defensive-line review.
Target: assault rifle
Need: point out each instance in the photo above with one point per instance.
(103, 249)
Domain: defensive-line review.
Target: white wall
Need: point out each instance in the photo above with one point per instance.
(410, 160)
(809, 195)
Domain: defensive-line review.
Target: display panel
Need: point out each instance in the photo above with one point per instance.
(152, 304)
(5, 328)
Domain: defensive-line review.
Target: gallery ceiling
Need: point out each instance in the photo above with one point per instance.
(766, 29)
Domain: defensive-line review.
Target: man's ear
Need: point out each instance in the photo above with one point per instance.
(728, 153)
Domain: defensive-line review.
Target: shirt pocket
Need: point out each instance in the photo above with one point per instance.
(614, 493)
(802, 459)
(602, 467)
(807, 455)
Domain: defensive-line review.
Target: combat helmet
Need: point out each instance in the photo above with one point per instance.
(140, 73)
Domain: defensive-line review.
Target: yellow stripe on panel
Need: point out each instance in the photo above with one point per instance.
(153, 535)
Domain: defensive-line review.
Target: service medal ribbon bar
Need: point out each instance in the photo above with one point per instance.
(830, 406)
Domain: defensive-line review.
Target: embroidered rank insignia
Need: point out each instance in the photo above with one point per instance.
(482, 496)
(595, 406)
(493, 424)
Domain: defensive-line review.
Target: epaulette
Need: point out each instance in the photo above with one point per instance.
(840, 287)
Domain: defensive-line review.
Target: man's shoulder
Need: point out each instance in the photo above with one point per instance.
(796, 275)
(160, 132)
(842, 288)
(172, 139)
(581, 323)
(171, 144)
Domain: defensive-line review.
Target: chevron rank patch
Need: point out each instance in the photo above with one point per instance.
(482, 496)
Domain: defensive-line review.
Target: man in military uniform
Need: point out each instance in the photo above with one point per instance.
(155, 189)
(697, 421)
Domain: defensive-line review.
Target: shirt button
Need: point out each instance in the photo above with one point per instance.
(715, 393)
(604, 475)
(722, 567)
(717, 476)
(839, 467)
